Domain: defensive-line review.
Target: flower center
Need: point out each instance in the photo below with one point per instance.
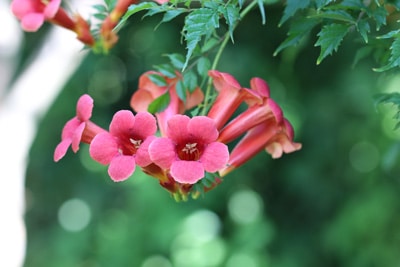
(130, 147)
(189, 152)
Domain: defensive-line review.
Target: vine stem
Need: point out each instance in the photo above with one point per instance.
(219, 53)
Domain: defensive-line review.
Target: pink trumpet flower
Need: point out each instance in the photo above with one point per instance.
(275, 138)
(126, 144)
(260, 108)
(148, 91)
(189, 149)
(78, 129)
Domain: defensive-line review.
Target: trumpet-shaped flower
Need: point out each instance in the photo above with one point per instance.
(78, 129)
(33, 13)
(126, 144)
(189, 149)
(275, 138)
(260, 108)
(148, 91)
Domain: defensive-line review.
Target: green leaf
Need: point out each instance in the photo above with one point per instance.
(231, 15)
(379, 15)
(181, 90)
(203, 66)
(190, 81)
(133, 9)
(322, 3)
(209, 44)
(394, 60)
(159, 104)
(340, 15)
(363, 28)
(292, 6)
(167, 70)
(158, 79)
(330, 38)
(298, 29)
(262, 11)
(390, 98)
(170, 15)
(177, 60)
(100, 8)
(361, 53)
(199, 23)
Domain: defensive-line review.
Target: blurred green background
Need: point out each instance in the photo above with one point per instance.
(336, 202)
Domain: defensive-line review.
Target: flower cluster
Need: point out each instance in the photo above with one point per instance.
(188, 155)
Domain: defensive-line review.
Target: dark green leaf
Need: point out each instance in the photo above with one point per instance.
(159, 104)
(363, 28)
(340, 15)
(298, 29)
(322, 3)
(330, 38)
(394, 60)
(379, 15)
(231, 15)
(170, 15)
(190, 81)
(292, 6)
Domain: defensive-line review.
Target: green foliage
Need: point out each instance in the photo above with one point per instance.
(390, 98)
(330, 38)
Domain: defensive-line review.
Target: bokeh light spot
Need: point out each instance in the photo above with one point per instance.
(74, 215)
(157, 261)
(241, 260)
(245, 206)
(203, 225)
(364, 157)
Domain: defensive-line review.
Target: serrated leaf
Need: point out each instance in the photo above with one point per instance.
(158, 80)
(177, 60)
(298, 29)
(394, 60)
(379, 14)
(330, 38)
(363, 28)
(292, 6)
(199, 23)
(340, 15)
(159, 104)
(170, 15)
(231, 15)
(390, 34)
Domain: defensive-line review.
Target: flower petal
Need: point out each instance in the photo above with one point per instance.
(32, 22)
(122, 122)
(162, 152)
(84, 107)
(61, 149)
(76, 138)
(177, 128)
(215, 157)
(69, 128)
(187, 172)
(145, 124)
(121, 167)
(51, 8)
(142, 156)
(103, 148)
(202, 128)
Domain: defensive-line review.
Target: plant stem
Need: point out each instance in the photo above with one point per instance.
(219, 53)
